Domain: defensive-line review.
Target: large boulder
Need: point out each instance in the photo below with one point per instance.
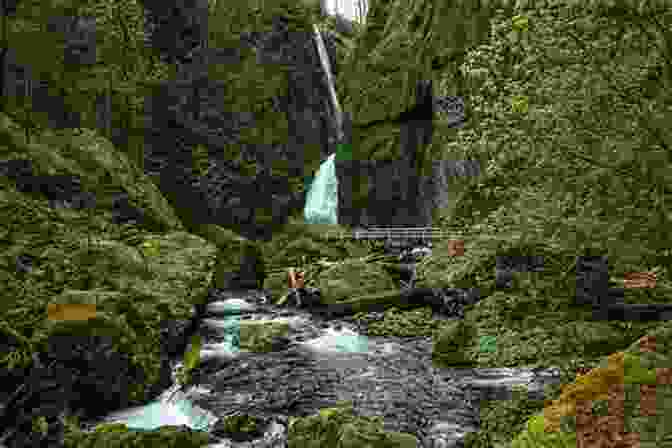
(352, 278)
(339, 427)
(452, 343)
(262, 337)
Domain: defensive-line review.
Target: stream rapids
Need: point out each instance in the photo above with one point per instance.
(316, 365)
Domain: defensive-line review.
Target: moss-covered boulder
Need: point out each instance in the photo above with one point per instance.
(452, 343)
(240, 428)
(136, 280)
(352, 278)
(338, 428)
(119, 436)
(401, 322)
(261, 336)
(300, 242)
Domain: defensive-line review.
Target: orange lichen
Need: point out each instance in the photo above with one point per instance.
(68, 312)
(592, 386)
(606, 431)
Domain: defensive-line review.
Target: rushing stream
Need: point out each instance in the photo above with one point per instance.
(318, 364)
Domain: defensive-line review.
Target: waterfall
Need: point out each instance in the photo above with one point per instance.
(326, 66)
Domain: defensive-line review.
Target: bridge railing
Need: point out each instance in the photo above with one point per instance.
(394, 233)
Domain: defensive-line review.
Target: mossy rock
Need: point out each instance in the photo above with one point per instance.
(129, 309)
(298, 238)
(663, 347)
(403, 323)
(627, 368)
(312, 248)
(240, 428)
(259, 336)
(451, 344)
(338, 427)
(534, 436)
(592, 338)
(352, 278)
(105, 325)
(116, 436)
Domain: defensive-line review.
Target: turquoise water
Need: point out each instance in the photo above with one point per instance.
(165, 411)
(343, 341)
(352, 344)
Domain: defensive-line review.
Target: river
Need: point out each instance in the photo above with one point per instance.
(319, 363)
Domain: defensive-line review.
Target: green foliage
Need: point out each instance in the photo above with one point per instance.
(501, 420)
(339, 427)
(40, 425)
(403, 323)
(352, 278)
(237, 424)
(191, 359)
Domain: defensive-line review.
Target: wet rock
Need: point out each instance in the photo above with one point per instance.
(262, 384)
(304, 297)
(454, 300)
(24, 264)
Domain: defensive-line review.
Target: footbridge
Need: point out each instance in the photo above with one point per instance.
(394, 234)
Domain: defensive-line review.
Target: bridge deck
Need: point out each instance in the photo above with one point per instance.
(394, 233)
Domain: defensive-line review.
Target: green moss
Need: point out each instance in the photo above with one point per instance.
(111, 427)
(338, 427)
(259, 336)
(452, 343)
(352, 278)
(242, 426)
(136, 278)
(401, 323)
(191, 360)
(116, 436)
